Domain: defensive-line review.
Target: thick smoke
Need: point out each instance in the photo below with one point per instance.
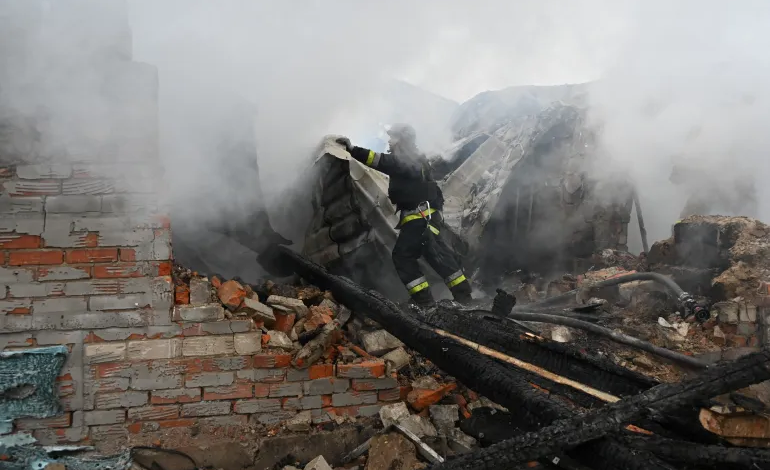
(690, 83)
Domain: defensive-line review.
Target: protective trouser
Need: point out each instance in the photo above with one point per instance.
(419, 238)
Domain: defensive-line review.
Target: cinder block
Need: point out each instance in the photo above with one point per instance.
(28, 223)
(271, 419)
(44, 171)
(17, 275)
(87, 321)
(11, 323)
(304, 403)
(105, 352)
(199, 313)
(206, 408)
(209, 379)
(154, 349)
(154, 381)
(99, 223)
(286, 390)
(247, 343)
(208, 346)
(93, 287)
(115, 434)
(200, 291)
(154, 413)
(354, 398)
(62, 273)
(119, 302)
(88, 186)
(73, 204)
(374, 384)
(63, 305)
(19, 306)
(35, 289)
(100, 417)
(264, 405)
(21, 205)
(297, 375)
(325, 386)
(133, 237)
(263, 375)
(129, 399)
(181, 395)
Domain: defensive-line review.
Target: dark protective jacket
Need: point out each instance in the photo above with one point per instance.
(411, 179)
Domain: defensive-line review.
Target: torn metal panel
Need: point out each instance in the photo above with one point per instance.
(28, 382)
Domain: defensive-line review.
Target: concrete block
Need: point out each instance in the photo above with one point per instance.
(374, 384)
(99, 223)
(30, 224)
(297, 375)
(93, 287)
(88, 186)
(17, 275)
(73, 204)
(62, 273)
(100, 417)
(300, 423)
(325, 386)
(748, 313)
(200, 291)
(199, 313)
(63, 305)
(310, 403)
(727, 312)
(286, 390)
(119, 302)
(222, 327)
(444, 417)
(398, 358)
(263, 405)
(295, 305)
(129, 203)
(263, 375)
(105, 352)
(44, 171)
(154, 413)
(106, 401)
(15, 305)
(154, 381)
(380, 342)
(181, 395)
(14, 340)
(354, 398)
(88, 321)
(11, 323)
(271, 419)
(369, 410)
(279, 339)
(206, 408)
(154, 349)
(208, 346)
(45, 338)
(209, 379)
(20, 205)
(747, 329)
(35, 289)
(259, 311)
(394, 414)
(247, 343)
(134, 237)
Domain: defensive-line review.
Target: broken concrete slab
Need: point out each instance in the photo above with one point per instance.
(392, 414)
(294, 305)
(459, 442)
(419, 426)
(426, 382)
(444, 417)
(259, 311)
(398, 358)
(279, 339)
(380, 342)
(391, 452)
(318, 463)
(301, 422)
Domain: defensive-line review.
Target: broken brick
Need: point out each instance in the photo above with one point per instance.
(421, 399)
(231, 294)
(318, 316)
(284, 321)
(181, 294)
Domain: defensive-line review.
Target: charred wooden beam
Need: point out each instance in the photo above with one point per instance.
(482, 374)
(566, 434)
(702, 455)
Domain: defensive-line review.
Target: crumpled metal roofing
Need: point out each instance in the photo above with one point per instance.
(28, 382)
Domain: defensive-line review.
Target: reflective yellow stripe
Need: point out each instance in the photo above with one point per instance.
(412, 217)
(433, 229)
(370, 160)
(456, 281)
(418, 288)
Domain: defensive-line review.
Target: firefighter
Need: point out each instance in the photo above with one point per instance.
(419, 200)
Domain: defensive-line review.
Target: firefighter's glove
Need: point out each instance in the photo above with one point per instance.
(345, 142)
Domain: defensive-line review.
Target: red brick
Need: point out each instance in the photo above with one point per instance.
(320, 371)
(754, 341)
(284, 321)
(728, 329)
(91, 255)
(167, 397)
(421, 399)
(134, 428)
(20, 311)
(737, 341)
(196, 329)
(389, 395)
(231, 392)
(26, 258)
(20, 242)
(261, 390)
(267, 361)
(2, 257)
(164, 221)
(181, 294)
(318, 316)
(231, 294)
(92, 338)
(164, 268)
(366, 369)
(127, 254)
(216, 282)
(326, 400)
(91, 240)
(118, 271)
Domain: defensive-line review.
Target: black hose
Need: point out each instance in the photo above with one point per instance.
(660, 278)
(610, 334)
